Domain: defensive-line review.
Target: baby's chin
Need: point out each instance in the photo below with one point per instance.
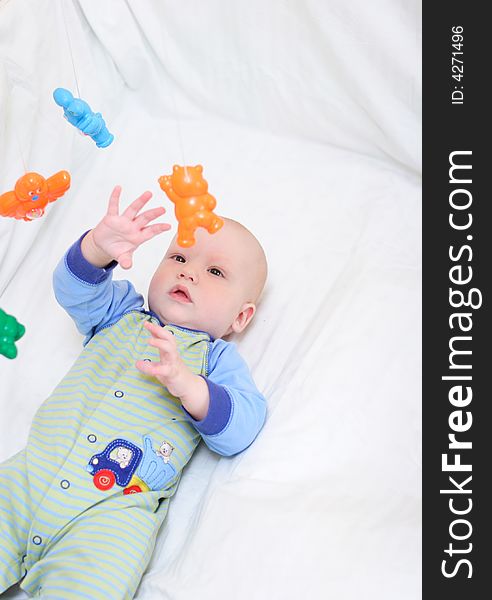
(170, 318)
(166, 316)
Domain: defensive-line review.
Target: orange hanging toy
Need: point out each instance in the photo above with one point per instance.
(32, 193)
(194, 207)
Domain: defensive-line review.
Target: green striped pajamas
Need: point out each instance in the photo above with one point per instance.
(70, 517)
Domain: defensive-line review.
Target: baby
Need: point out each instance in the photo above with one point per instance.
(82, 504)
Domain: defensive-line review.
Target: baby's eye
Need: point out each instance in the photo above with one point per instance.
(178, 258)
(31, 193)
(216, 272)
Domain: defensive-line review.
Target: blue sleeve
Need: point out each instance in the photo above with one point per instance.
(237, 410)
(88, 293)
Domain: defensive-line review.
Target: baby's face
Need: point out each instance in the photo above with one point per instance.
(205, 287)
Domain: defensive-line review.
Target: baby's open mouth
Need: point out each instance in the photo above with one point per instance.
(180, 294)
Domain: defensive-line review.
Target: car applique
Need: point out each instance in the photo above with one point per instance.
(126, 465)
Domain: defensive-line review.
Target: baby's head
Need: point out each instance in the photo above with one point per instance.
(212, 286)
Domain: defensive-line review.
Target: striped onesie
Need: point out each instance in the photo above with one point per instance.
(81, 505)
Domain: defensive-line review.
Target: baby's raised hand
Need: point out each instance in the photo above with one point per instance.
(116, 237)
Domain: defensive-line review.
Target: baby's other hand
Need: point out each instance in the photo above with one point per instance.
(171, 371)
(116, 237)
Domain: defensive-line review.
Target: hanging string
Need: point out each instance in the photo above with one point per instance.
(20, 149)
(175, 110)
(180, 138)
(10, 86)
(70, 49)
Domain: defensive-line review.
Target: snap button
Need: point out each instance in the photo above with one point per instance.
(37, 540)
(119, 393)
(65, 484)
(92, 438)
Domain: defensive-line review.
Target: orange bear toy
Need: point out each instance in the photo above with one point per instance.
(32, 193)
(194, 207)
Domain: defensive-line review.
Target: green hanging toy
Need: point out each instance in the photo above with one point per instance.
(10, 331)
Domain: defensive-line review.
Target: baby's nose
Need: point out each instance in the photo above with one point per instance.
(188, 275)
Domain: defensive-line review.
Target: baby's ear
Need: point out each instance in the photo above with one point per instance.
(176, 168)
(244, 317)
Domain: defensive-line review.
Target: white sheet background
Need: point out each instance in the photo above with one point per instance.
(306, 117)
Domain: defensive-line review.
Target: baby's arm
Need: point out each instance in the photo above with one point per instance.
(237, 409)
(83, 279)
(88, 293)
(226, 408)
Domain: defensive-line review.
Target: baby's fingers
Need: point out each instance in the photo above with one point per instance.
(125, 260)
(136, 205)
(114, 201)
(164, 341)
(158, 331)
(153, 369)
(150, 215)
(152, 230)
(148, 367)
(167, 349)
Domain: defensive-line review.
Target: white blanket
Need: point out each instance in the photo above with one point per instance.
(305, 116)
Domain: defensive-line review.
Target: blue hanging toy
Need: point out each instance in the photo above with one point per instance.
(78, 113)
